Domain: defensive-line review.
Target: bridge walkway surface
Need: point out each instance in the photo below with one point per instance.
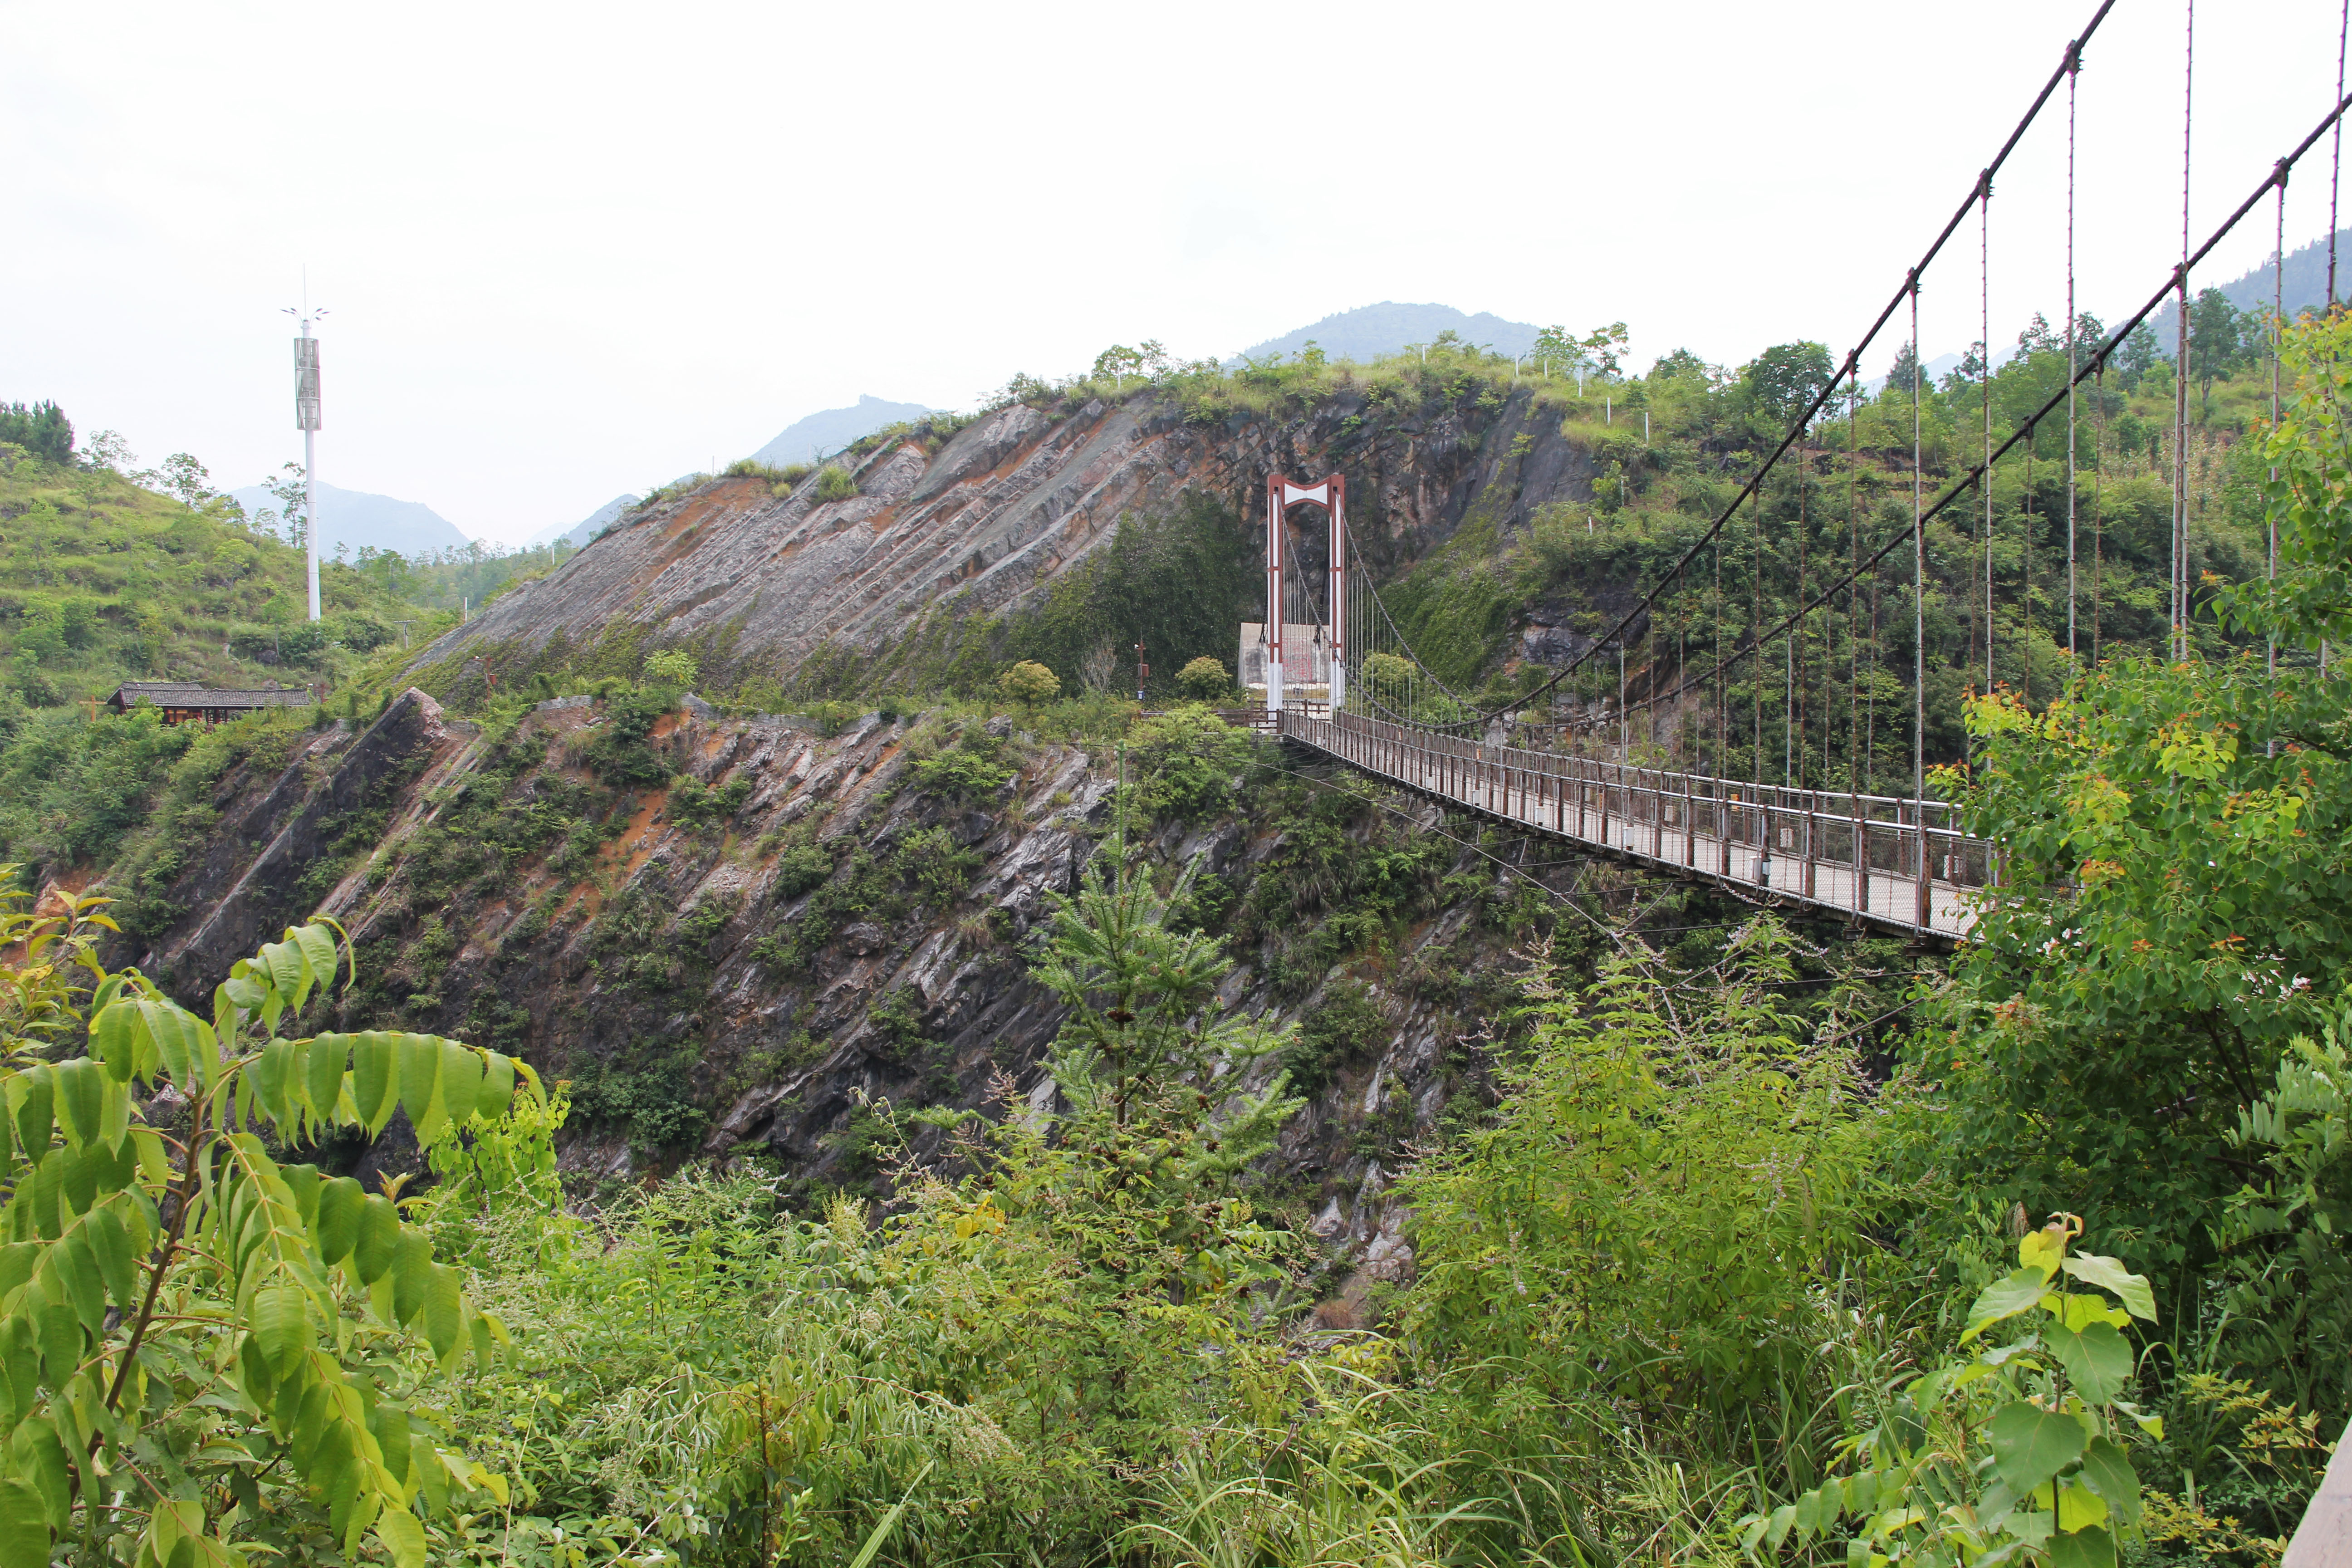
(1829, 851)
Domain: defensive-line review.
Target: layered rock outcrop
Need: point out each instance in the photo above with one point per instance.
(987, 519)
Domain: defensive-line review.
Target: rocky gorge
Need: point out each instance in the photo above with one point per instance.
(793, 932)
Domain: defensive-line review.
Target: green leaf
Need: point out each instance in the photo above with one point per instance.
(374, 1079)
(389, 1422)
(80, 1092)
(322, 1072)
(16, 1262)
(498, 1086)
(379, 1237)
(23, 1525)
(2097, 1358)
(402, 1537)
(432, 1479)
(2108, 1274)
(461, 1080)
(118, 1258)
(58, 1327)
(2092, 1548)
(33, 1121)
(76, 1266)
(2029, 1445)
(420, 1084)
(35, 1454)
(2005, 1299)
(412, 1274)
(340, 1202)
(444, 1309)
(282, 968)
(20, 1353)
(271, 1075)
(2107, 1471)
(281, 1322)
(318, 950)
(114, 1040)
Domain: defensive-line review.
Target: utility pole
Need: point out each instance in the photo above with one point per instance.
(1142, 672)
(305, 419)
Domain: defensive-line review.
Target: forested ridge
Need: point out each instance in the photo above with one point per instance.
(472, 1225)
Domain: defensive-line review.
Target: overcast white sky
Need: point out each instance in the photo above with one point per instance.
(570, 251)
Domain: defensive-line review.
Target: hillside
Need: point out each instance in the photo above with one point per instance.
(1506, 518)
(960, 526)
(103, 580)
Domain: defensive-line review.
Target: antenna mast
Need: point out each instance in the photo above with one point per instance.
(305, 419)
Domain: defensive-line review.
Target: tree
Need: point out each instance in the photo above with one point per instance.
(2217, 342)
(293, 497)
(207, 1349)
(2139, 354)
(1899, 375)
(2039, 337)
(1782, 382)
(1606, 346)
(1205, 679)
(2177, 889)
(2089, 333)
(42, 429)
(2309, 501)
(1145, 1043)
(184, 477)
(1029, 683)
(1556, 346)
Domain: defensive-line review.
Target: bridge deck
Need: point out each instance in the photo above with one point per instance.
(1856, 855)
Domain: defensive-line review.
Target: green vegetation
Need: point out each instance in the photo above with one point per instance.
(1029, 682)
(1709, 1237)
(264, 1353)
(1206, 679)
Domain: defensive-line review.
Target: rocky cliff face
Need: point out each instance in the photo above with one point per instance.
(987, 519)
(751, 957)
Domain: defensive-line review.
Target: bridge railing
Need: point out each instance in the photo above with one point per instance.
(1842, 847)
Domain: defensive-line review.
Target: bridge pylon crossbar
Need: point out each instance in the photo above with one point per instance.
(1829, 851)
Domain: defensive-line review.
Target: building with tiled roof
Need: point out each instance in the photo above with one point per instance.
(189, 702)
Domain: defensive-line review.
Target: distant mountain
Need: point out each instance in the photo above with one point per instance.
(1371, 330)
(587, 528)
(358, 518)
(822, 434)
(2305, 286)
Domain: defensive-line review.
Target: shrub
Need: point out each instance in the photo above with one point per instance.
(1675, 1187)
(1205, 679)
(1029, 682)
(1347, 1024)
(961, 774)
(835, 484)
(672, 667)
(800, 867)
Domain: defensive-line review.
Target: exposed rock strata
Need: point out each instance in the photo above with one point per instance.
(1001, 509)
(780, 1062)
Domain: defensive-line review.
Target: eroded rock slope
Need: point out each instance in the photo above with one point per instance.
(753, 956)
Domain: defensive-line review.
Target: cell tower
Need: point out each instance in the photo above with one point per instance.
(305, 419)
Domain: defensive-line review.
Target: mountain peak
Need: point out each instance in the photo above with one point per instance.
(1368, 332)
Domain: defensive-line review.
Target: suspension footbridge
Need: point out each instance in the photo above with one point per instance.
(1653, 772)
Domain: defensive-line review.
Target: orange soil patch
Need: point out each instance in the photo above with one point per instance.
(629, 862)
